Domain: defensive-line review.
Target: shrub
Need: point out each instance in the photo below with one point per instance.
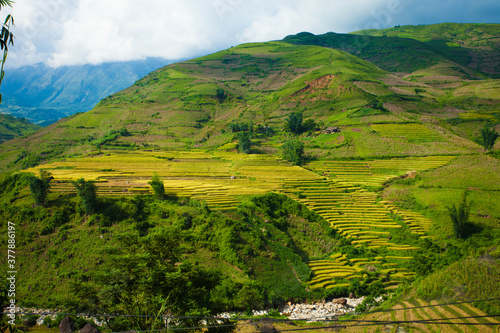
(488, 138)
(87, 193)
(293, 151)
(460, 216)
(40, 187)
(158, 187)
(221, 95)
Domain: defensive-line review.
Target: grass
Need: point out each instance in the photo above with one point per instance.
(459, 42)
(410, 132)
(475, 279)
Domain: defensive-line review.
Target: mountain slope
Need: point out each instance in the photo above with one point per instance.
(391, 54)
(476, 46)
(11, 127)
(191, 104)
(177, 105)
(44, 95)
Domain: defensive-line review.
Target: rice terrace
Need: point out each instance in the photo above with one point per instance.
(356, 183)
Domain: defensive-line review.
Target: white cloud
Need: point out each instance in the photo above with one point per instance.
(68, 32)
(316, 16)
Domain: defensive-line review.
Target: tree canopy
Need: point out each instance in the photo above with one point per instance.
(293, 151)
(40, 186)
(146, 278)
(459, 216)
(87, 192)
(488, 138)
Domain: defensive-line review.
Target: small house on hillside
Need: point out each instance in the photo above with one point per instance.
(331, 130)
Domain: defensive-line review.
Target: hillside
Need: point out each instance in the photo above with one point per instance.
(476, 46)
(177, 107)
(11, 127)
(392, 140)
(44, 95)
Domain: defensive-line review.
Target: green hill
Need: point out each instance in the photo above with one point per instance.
(476, 46)
(11, 127)
(177, 107)
(392, 54)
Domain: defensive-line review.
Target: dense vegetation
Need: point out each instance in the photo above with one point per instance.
(11, 127)
(265, 232)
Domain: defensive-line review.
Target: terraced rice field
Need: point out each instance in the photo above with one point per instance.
(355, 213)
(415, 315)
(338, 270)
(374, 172)
(408, 132)
(221, 179)
(418, 223)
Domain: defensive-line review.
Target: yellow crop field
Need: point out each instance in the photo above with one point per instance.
(221, 179)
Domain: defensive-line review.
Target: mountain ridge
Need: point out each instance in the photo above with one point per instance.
(44, 95)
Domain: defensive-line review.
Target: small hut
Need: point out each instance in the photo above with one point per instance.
(330, 130)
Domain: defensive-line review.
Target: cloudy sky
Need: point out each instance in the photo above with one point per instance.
(70, 32)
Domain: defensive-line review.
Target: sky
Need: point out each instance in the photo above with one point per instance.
(76, 32)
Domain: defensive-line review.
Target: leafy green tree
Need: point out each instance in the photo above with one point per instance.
(309, 125)
(459, 216)
(144, 278)
(294, 122)
(221, 95)
(293, 151)
(244, 143)
(488, 138)
(87, 192)
(6, 38)
(158, 187)
(40, 186)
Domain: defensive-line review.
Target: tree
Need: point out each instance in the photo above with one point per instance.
(40, 187)
(460, 216)
(244, 142)
(6, 38)
(488, 138)
(87, 193)
(294, 122)
(158, 187)
(309, 125)
(221, 95)
(293, 151)
(144, 277)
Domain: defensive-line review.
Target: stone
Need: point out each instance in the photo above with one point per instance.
(267, 328)
(341, 301)
(89, 328)
(351, 295)
(67, 325)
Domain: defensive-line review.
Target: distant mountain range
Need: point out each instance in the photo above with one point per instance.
(44, 95)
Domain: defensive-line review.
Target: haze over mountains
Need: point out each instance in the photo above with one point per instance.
(44, 95)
